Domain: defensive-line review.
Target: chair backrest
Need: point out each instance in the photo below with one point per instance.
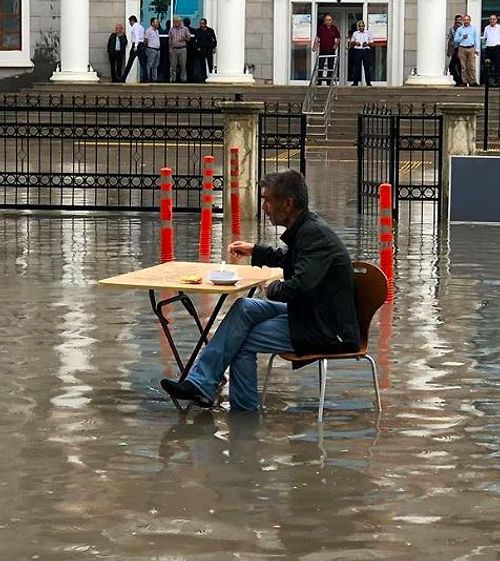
(371, 292)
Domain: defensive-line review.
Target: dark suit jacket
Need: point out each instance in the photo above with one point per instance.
(112, 43)
(318, 287)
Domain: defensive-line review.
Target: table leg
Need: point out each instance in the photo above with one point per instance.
(204, 331)
(204, 336)
(157, 309)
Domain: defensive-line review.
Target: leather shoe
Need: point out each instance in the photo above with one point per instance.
(185, 391)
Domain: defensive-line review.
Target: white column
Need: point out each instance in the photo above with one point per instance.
(431, 45)
(230, 32)
(281, 43)
(395, 56)
(74, 63)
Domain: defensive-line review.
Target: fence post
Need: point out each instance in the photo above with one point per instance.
(486, 106)
(360, 163)
(459, 139)
(394, 169)
(241, 130)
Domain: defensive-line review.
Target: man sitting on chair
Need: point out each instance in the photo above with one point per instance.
(312, 310)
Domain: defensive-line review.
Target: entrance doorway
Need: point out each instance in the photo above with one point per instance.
(306, 16)
(345, 18)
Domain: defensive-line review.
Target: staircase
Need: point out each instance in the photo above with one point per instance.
(319, 100)
(343, 124)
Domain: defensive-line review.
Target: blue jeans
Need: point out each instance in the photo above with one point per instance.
(251, 326)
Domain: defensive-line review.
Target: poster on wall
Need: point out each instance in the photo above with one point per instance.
(301, 28)
(10, 25)
(377, 24)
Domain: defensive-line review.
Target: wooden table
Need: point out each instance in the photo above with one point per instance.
(169, 276)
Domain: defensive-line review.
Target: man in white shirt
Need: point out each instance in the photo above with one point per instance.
(492, 38)
(152, 41)
(138, 50)
(362, 43)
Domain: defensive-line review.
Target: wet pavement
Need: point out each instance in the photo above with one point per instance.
(96, 464)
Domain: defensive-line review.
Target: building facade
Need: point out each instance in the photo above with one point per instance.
(275, 36)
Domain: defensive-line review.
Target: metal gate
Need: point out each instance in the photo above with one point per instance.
(282, 140)
(94, 152)
(104, 153)
(404, 148)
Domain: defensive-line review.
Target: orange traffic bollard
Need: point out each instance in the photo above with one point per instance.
(235, 191)
(206, 205)
(386, 237)
(166, 216)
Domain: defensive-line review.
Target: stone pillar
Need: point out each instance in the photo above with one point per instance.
(459, 139)
(74, 65)
(431, 45)
(230, 31)
(241, 128)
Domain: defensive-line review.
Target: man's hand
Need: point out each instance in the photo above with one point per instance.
(240, 249)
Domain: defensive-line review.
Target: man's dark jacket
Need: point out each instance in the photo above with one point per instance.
(318, 287)
(112, 44)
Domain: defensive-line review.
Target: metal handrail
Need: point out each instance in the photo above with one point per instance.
(330, 74)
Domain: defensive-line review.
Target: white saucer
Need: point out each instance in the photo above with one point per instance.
(224, 282)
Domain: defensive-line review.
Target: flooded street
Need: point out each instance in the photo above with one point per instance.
(95, 463)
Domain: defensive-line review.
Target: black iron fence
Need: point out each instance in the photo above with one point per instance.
(104, 153)
(282, 139)
(491, 125)
(403, 147)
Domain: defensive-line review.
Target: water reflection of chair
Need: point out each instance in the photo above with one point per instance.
(371, 292)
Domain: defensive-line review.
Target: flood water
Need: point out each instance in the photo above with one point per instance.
(96, 464)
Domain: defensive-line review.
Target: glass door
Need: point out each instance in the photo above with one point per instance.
(377, 22)
(301, 34)
(345, 19)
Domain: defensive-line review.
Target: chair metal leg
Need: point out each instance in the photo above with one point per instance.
(323, 366)
(266, 379)
(375, 381)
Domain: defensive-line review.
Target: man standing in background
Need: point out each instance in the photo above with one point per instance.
(138, 50)
(190, 51)
(492, 38)
(467, 41)
(206, 43)
(117, 44)
(152, 41)
(452, 51)
(362, 42)
(327, 39)
(178, 39)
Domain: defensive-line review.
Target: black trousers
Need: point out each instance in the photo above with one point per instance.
(140, 53)
(203, 60)
(362, 57)
(493, 54)
(455, 67)
(116, 63)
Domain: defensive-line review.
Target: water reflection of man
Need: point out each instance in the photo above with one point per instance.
(311, 310)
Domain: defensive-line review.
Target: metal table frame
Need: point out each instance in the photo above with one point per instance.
(188, 304)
